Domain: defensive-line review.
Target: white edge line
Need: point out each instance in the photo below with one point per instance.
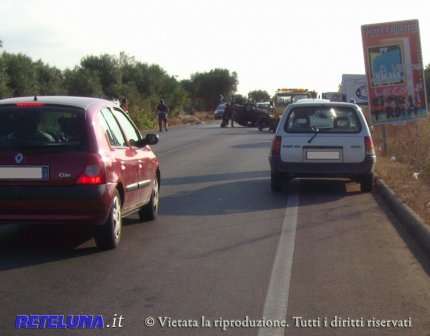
(275, 307)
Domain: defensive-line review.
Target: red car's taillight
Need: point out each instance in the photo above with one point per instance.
(92, 174)
(30, 104)
(276, 146)
(368, 144)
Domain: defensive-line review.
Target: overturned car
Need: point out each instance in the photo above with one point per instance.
(250, 115)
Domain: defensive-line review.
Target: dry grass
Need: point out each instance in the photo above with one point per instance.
(185, 119)
(411, 190)
(191, 119)
(405, 164)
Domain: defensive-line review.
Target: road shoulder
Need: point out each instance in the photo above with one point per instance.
(416, 227)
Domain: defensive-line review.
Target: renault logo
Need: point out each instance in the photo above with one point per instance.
(19, 157)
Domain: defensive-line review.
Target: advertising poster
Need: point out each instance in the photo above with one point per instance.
(395, 72)
(355, 87)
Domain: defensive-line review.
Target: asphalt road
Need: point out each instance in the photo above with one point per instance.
(226, 256)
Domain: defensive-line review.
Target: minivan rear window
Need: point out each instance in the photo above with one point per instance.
(329, 119)
(42, 126)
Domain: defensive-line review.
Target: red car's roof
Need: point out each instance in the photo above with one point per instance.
(81, 102)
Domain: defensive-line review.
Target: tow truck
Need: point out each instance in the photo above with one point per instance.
(285, 96)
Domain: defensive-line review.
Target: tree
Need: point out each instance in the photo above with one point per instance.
(21, 74)
(5, 90)
(239, 99)
(117, 77)
(207, 87)
(83, 82)
(106, 69)
(50, 80)
(258, 95)
(174, 93)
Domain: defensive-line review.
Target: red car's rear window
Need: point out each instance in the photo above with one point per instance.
(42, 126)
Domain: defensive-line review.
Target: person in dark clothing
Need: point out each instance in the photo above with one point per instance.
(228, 114)
(231, 113)
(162, 110)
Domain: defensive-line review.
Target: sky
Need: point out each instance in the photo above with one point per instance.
(270, 44)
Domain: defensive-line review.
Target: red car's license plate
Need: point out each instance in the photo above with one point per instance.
(24, 173)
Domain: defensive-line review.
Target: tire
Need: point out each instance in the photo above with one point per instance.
(262, 125)
(272, 127)
(149, 211)
(276, 182)
(108, 235)
(366, 183)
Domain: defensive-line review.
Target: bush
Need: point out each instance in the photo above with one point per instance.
(408, 144)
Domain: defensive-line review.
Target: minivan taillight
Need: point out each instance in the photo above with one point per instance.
(93, 174)
(276, 146)
(368, 144)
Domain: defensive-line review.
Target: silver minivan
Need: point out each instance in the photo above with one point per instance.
(319, 138)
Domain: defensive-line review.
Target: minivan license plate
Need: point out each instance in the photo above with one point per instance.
(323, 155)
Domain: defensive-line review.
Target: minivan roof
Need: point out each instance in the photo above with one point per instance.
(312, 102)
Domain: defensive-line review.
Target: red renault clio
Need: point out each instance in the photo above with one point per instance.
(75, 160)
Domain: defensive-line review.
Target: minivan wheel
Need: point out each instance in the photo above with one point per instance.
(108, 235)
(366, 183)
(150, 211)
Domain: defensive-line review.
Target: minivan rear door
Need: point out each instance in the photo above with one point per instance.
(323, 133)
(323, 148)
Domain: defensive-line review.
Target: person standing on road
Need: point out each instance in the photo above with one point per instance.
(231, 113)
(226, 116)
(162, 110)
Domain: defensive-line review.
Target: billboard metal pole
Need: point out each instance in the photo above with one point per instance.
(384, 139)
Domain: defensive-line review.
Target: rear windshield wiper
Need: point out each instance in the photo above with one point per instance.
(316, 130)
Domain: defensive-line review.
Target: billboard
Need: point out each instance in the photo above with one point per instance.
(394, 70)
(355, 87)
(332, 96)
